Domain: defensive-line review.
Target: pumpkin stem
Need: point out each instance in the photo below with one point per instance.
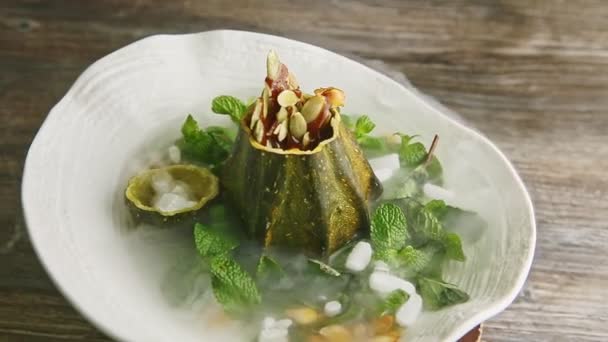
(429, 156)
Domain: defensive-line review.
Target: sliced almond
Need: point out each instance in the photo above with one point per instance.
(258, 132)
(313, 107)
(255, 116)
(282, 114)
(287, 98)
(336, 333)
(297, 125)
(306, 139)
(303, 316)
(265, 100)
(273, 65)
(306, 97)
(293, 82)
(282, 130)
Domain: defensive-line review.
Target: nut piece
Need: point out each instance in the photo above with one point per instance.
(292, 81)
(282, 114)
(334, 96)
(273, 65)
(313, 107)
(297, 125)
(303, 315)
(306, 139)
(287, 98)
(336, 333)
(282, 131)
(256, 113)
(258, 132)
(265, 100)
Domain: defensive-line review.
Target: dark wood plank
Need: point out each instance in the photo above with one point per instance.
(532, 75)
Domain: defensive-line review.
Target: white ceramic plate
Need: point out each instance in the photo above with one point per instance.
(137, 97)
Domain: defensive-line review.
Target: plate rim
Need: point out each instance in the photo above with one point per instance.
(60, 283)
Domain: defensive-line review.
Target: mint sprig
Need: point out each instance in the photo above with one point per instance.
(389, 231)
(363, 126)
(229, 105)
(268, 270)
(211, 242)
(210, 146)
(232, 286)
(437, 294)
(394, 301)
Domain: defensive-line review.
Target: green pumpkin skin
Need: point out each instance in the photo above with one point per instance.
(311, 201)
(139, 194)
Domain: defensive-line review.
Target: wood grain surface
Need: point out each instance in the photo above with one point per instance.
(531, 75)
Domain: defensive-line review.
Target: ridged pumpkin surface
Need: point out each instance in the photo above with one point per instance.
(312, 201)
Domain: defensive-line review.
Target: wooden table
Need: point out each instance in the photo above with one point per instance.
(531, 75)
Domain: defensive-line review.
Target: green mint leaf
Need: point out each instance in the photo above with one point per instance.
(223, 136)
(391, 256)
(388, 229)
(211, 242)
(434, 267)
(437, 294)
(453, 247)
(416, 260)
(437, 208)
(372, 143)
(363, 126)
(209, 147)
(229, 105)
(412, 155)
(426, 227)
(394, 301)
(232, 286)
(435, 171)
(319, 266)
(190, 128)
(268, 271)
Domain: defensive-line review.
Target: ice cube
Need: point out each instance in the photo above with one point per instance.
(385, 283)
(359, 257)
(169, 202)
(183, 189)
(332, 308)
(162, 182)
(408, 313)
